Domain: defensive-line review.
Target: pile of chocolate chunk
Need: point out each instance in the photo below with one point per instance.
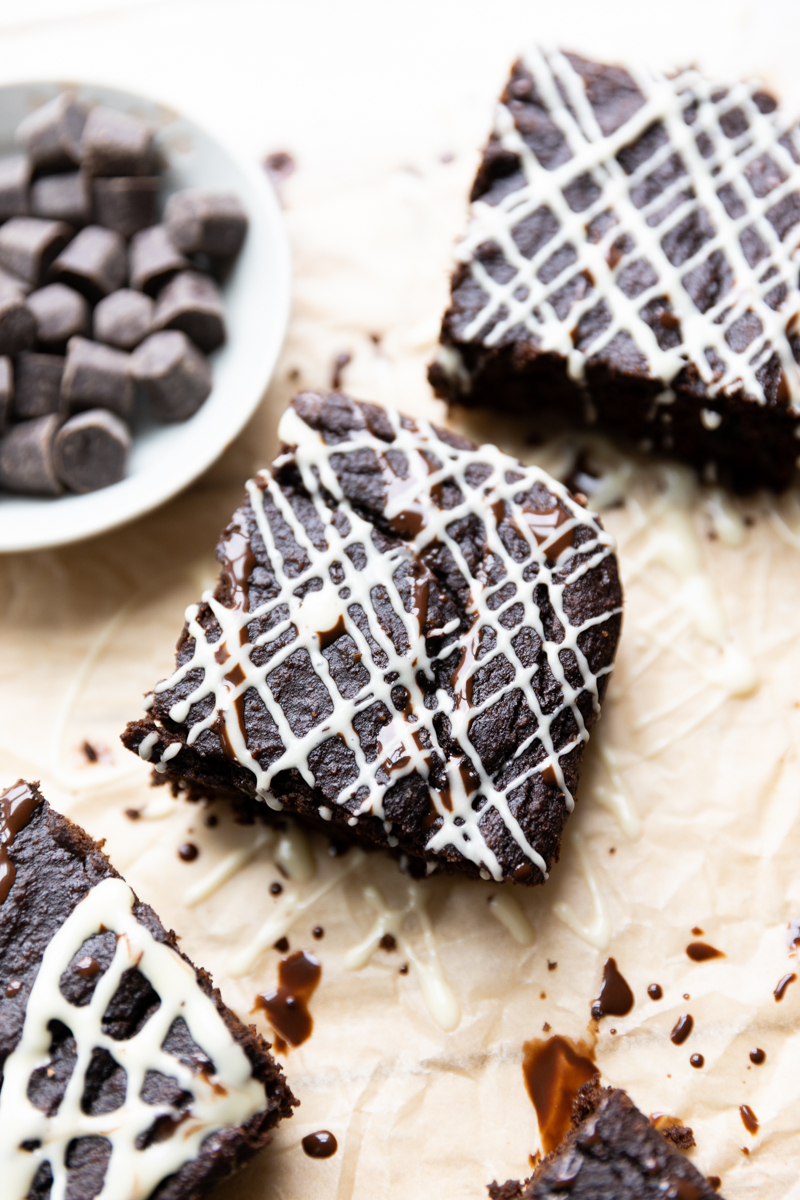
(104, 307)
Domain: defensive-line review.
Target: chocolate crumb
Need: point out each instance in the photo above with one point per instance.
(317, 932)
(388, 942)
(133, 814)
(338, 370)
(551, 966)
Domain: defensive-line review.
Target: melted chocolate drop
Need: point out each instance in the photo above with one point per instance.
(697, 931)
(681, 1030)
(320, 1145)
(282, 945)
(388, 942)
(13, 988)
(318, 932)
(655, 991)
(276, 888)
(758, 1056)
(133, 814)
(17, 806)
(554, 1070)
(697, 1061)
(780, 990)
(286, 1008)
(701, 951)
(749, 1119)
(188, 852)
(87, 966)
(616, 997)
(404, 969)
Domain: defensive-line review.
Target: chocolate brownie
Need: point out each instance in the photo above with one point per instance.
(410, 640)
(629, 265)
(122, 1071)
(612, 1152)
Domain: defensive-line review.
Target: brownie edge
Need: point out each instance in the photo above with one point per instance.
(58, 868)
(612, 1152)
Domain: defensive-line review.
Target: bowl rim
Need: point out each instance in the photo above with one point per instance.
(187, 470)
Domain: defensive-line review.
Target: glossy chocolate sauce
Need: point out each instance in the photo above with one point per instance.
(188, 852)
(87, 967)
(13, 988)
(780, 990)
(321, 1144)
(655, 991)
(749, 1119)
(286, 1009)
(616, 997)
(758, 1056)
(697, 1061)
(17, 806)
(681, 1029)
(701, 951)
(554, 1070)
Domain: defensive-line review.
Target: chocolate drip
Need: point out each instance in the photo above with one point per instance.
(17, 806)
(749, 1119)
(697, 1061)
(681, 1030)
(616, 997)
(321, 1144)
(286, 1008)
(701, 951)
(780, 990)
(655, 991)
(758, 1056)
(554, 1070)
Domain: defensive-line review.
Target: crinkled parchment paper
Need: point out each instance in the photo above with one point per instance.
(688, 812)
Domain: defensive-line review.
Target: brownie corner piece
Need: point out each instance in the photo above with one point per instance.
(176, 1092)
(629, 265)
(409, 642)
(612, 1152)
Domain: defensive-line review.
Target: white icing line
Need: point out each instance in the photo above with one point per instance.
(225, 870)
(439, 997)
(523, 299)
(287, 910)
(506, 909)
(226, 1099)
(406, 746)
(598, 932)
(617, 799)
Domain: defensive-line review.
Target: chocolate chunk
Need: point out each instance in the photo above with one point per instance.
(26, 457)
(38, 385)
(127, 203)
(51, 135)
(91, 451)
(123, 319)
(28, 246)
(173, 374)
(60, 312)
(15, 178)
(8, 279)
(212, 223)
(65, 197)
(95, 375)
(117, 143)
(192, 303)
(95, 262)
(154, 259)
(17, 322)
(6, 391)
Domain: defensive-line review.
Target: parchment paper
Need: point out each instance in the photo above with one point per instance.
(714, 778)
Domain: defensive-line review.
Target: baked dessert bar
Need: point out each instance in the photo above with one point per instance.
(629, 265)
(612, 1152)
(123, 1073)
(409, 641)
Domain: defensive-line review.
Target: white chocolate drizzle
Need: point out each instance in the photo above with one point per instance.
(408, 742)
(616, 799)
(598, 932)
(440, 999)
(227, 1098)
(229, 866)
(290, 906)
(699, 161)
(506, 909)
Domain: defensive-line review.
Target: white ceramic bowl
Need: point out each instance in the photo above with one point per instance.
(165, 458)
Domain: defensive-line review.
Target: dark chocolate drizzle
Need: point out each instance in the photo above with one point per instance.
(321, 1144)
(554, 1070)
(701, 951)
(17, 806)
(286, 1007)
(681, 1029)
(616, 997)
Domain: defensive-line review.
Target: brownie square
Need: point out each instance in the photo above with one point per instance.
(409, 643)
(122, 1070)
(612, 1153)
(629, 266)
